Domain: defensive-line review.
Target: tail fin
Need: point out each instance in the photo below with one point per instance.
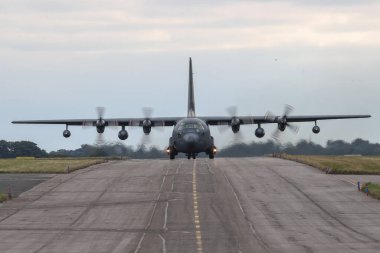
(191, 103)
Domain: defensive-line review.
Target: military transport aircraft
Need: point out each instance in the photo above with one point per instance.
(191, 135)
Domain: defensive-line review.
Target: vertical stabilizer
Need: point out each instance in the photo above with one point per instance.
(191, 103)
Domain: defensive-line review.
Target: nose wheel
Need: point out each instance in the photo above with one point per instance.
(191, 156)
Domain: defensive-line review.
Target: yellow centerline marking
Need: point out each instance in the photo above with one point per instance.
(198, 233)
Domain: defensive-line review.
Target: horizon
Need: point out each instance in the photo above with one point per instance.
(148, 147)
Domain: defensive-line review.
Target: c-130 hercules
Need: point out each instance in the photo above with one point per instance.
(191, 135)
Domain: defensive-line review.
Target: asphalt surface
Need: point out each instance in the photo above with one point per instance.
(221, 205)
(19, 183)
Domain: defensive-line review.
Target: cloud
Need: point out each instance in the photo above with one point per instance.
(129, 27)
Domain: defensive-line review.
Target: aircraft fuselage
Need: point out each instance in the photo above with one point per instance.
(191, 136)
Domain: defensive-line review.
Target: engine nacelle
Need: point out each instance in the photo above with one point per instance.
(259, 132)
(66, 133)
(147, 130)
(316, 129)
(100, 129)
(147, 126)
(235, 125)
(123, 134)
(100, 125)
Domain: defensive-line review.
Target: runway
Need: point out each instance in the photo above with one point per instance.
(21, 182)
(222, 205)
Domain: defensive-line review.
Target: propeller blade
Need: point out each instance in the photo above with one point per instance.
(158, 125)
(276, 135)
(100, 140)
(147, 112)
(288, 109)
(232, 111)
(223, 128)
(238, 138)
(161, 129)
(100, 111)
(293, 128)
(270, 116)
(145, 140)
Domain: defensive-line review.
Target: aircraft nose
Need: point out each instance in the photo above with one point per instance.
(191, 138)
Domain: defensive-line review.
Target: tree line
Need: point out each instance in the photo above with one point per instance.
(303, 147)
(10, 149)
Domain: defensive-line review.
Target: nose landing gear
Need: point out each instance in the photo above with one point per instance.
(189, 155)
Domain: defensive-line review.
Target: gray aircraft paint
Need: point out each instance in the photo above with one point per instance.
(191, 101)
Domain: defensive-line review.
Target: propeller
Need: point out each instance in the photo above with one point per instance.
(232, 112)
(148, 112)
(100, 125)
(282, 122)
(147, 126)
(238, 137)
(146, 138)
(100, 111)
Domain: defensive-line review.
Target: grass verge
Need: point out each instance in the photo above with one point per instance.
(3, 197)
(360, 165)
(45, 165)
(373, 189)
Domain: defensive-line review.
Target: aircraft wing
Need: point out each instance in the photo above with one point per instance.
(164, 121)
(323, 117)
(213, 121)
(171, 121)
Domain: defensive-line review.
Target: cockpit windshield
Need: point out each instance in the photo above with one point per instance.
(190, 127)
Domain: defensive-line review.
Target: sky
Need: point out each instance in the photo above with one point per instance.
(62, 59)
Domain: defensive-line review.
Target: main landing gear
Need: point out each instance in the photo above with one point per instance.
(171, 152)
(211, 153)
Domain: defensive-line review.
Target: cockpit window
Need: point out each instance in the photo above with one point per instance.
(190, 127)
